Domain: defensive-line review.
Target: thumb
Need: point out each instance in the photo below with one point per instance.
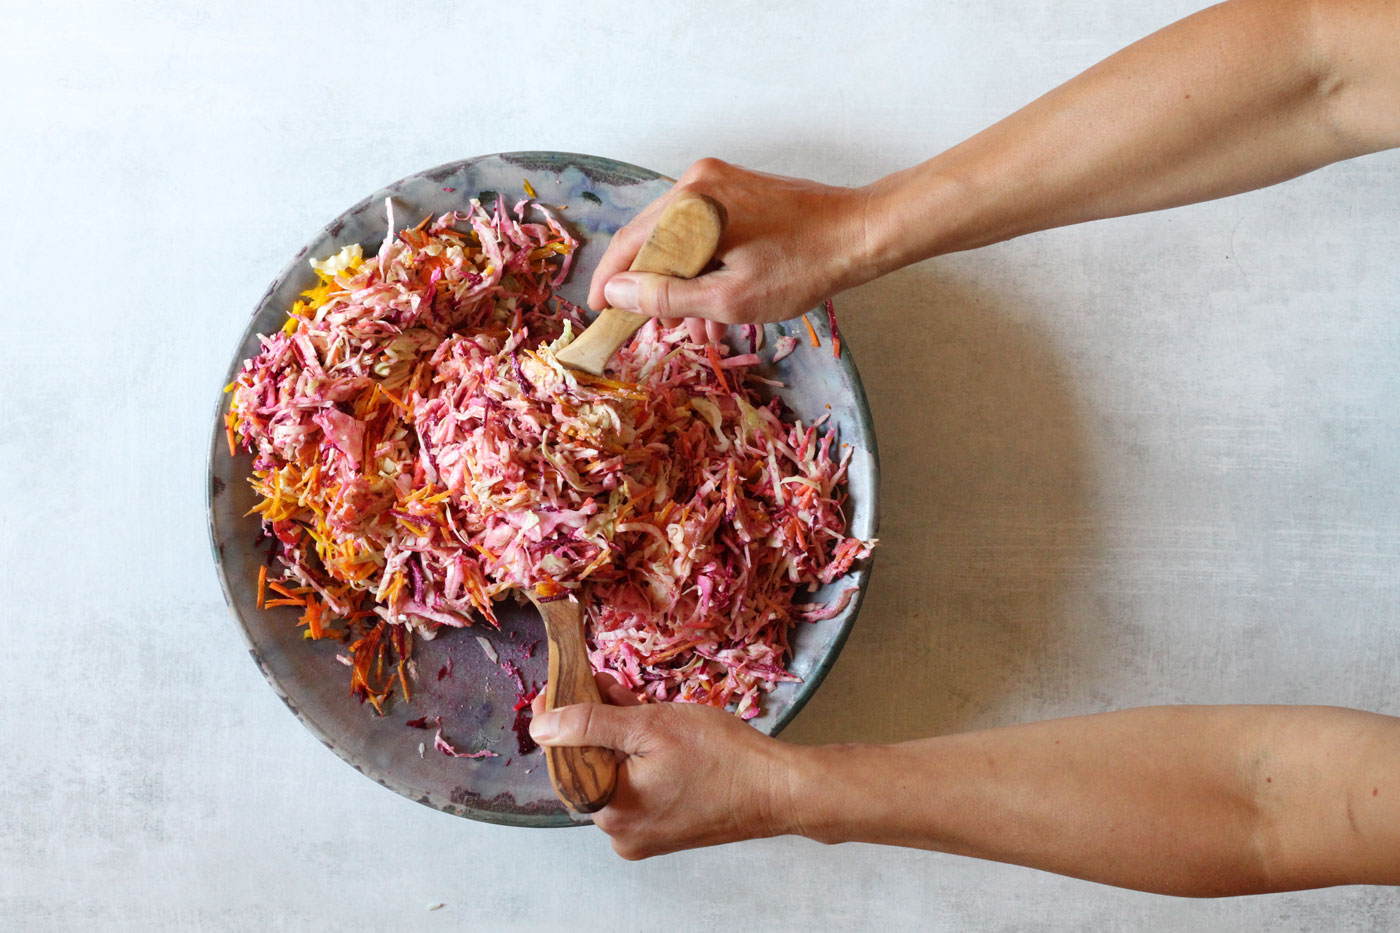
(591, 724)
(664, 295)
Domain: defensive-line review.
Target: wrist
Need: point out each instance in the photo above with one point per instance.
(840, 241)
(827, 790)
(918, 213)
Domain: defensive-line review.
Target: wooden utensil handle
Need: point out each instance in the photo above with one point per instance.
(681, 244)
(584, 776)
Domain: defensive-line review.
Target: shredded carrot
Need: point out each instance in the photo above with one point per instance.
(713, 354)
(529, 190)
(672, 651)
(811, 332)
(314, 622)
(390, 396)
(548, 588)
(836, 347)
(399, 648)
(274, 603)
(262, 586)
(279, 588)
(228, 431)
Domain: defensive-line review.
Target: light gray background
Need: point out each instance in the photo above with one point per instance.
(1151, 460)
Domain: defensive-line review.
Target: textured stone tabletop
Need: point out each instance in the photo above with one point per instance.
(1150, 460)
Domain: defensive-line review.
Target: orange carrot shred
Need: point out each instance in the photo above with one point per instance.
(836, 347)
(312, 617)
(262, 586)
(811, 332)
(714, 364)
(279, 588)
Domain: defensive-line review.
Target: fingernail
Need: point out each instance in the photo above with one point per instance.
(621, 293)
(544, 727)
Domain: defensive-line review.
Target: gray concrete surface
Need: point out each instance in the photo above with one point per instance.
(1151, 460)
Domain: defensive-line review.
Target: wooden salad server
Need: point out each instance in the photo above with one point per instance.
(682, 243)
(583, 776)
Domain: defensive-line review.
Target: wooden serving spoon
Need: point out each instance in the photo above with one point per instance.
(683, 241)
(583, 776)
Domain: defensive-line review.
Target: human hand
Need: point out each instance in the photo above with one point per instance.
(688, 775)
(788, 244)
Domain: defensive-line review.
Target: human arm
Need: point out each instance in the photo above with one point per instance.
(1197, 801)
(1238, 96)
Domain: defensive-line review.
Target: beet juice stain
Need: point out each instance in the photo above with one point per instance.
(522, 731)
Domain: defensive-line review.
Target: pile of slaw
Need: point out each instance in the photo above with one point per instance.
(418, 453)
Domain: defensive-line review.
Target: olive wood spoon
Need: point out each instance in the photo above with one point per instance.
(682, 243)
(583, 776)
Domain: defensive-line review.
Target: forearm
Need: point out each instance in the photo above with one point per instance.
(1183, 800)
(1239, 96)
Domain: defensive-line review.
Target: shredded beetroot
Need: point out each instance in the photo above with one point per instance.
(420, 453)
(521, 727)
(830, 309)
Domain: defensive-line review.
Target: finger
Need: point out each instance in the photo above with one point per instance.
(619, 255)
(666, 296)
(715, 330)
(696, 327)
(624, 247)
(609, 688)
(592, 724)
(613, 691)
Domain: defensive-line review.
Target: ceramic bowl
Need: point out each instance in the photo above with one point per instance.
(474, 696)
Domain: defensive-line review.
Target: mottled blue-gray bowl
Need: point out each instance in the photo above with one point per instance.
(456, 680)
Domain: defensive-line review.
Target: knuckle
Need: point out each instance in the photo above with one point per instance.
(727, 304)
(710, 167)
(627, 240)
(629, 850)
(662, 722)
(631, 234)
(585, 715)
(704, 170)
(574, 721)
(639, 734)
(661, 298)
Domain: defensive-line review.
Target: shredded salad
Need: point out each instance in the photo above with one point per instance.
(418, 453)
